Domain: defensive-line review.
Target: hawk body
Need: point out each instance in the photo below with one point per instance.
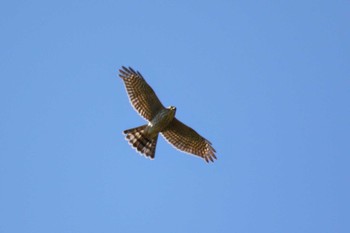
(160, 120)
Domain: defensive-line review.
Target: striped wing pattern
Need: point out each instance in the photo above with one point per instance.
(186, 139)
(141, 95)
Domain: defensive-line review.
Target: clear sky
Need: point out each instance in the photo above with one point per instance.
(267, 82)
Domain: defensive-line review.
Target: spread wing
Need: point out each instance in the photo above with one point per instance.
(186, 139)
(141, 95)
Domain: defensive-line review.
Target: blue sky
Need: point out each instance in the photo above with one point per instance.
(268, 82)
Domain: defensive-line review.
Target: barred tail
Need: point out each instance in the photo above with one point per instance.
(137, 139)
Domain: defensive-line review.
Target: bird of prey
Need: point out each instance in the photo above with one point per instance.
(160, 120)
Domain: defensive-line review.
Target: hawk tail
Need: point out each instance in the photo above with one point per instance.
(143, 144)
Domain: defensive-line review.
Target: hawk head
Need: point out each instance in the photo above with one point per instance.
(172, 108)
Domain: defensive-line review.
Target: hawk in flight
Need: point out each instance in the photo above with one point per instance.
(160, 120)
